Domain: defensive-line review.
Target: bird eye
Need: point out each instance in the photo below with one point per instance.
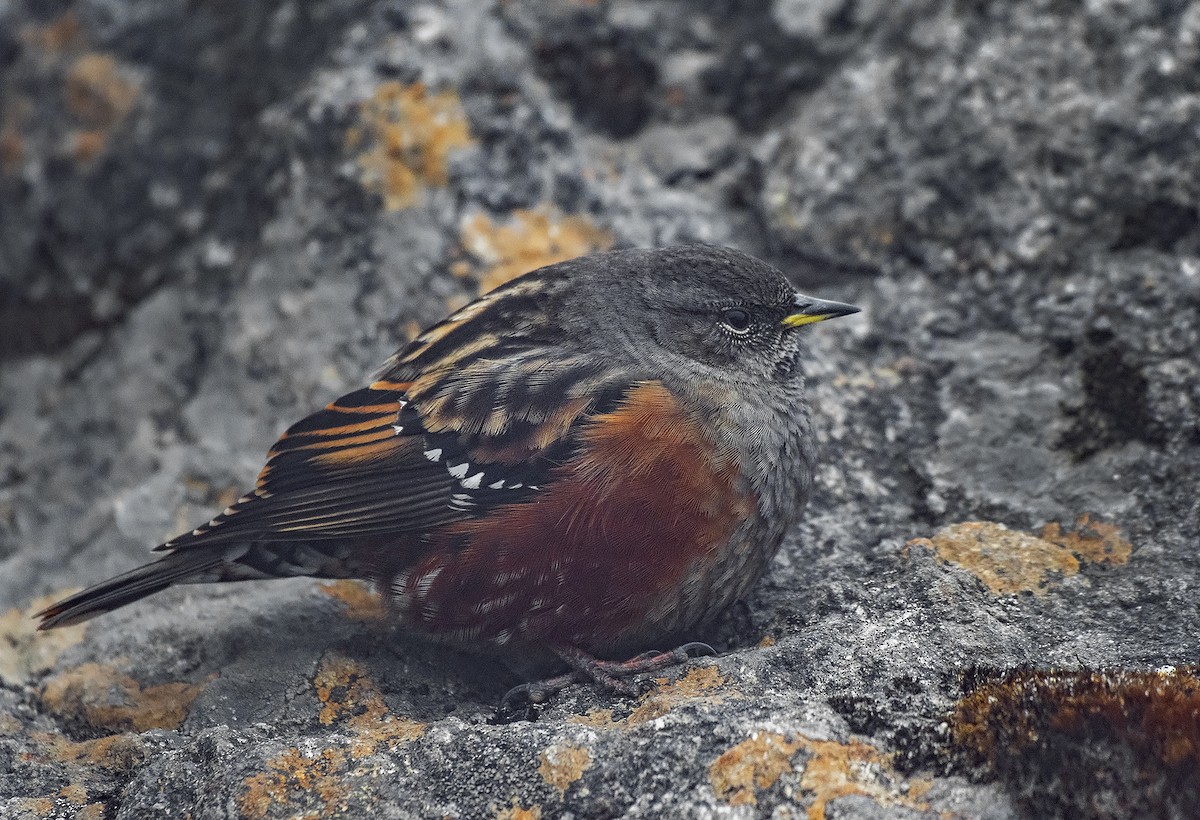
(736, 319)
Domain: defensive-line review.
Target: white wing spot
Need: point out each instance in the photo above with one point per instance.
(503, 578)
(459, 470)
(473, 482)
(434, 455)
(426, 581)
(515, 486)
(497, 485)
(399, 428)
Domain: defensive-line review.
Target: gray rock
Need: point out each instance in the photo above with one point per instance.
(200, 243)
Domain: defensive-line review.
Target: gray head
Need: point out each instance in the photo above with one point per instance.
(732, 315)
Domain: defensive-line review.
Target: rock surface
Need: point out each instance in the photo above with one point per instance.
(216, 217)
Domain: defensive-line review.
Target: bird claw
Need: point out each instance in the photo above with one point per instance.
(608, 675)
(696, 649)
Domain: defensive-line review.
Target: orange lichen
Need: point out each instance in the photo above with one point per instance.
(532, 239)
(838, 769)
(100, 97)
(97, 93)
(73, 793)
(1092, 541)
(1010, 561)
(562, 764)
(31, 806)
(351, 699)
(751, 766)
(86, 767)
(314, 782)
(346, 693)
(105, 697)
(318, 782)
(24, 651)
(358, 599)
(699, 685)
(408, 134)
(114, 752)
(832, 770)
(86, 146)
(92, 811)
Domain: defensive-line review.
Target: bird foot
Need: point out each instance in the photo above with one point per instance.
(608, 675)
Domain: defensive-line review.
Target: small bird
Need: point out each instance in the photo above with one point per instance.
(597, 455)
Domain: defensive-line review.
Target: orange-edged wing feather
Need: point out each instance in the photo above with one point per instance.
(354, 468)
(476, 412)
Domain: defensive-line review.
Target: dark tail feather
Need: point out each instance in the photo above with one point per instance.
(129, 587)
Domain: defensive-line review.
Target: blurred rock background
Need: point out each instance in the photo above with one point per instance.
(217, 216)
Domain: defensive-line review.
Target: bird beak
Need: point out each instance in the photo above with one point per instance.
(809, 310)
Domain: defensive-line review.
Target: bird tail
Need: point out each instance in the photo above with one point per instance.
(207, 565)
(175, 568)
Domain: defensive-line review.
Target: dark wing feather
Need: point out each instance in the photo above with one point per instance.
(475, 412)
(353, 468)
(502, 393)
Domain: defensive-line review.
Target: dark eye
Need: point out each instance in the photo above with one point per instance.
(736, 319)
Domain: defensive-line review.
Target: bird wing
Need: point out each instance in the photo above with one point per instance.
(421, 447)
(354, 468)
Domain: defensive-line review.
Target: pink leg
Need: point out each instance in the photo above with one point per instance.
(609, 675)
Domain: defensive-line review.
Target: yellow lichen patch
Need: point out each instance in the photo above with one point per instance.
(1092, 541)
(291, 777)
(92, 811)
(87, 145)
(752, 765)
(107, 698)
(84, 766)
(531, 239)
(700, 685)
(97, 93)
(24, 651)
(100, 97)
(838, 769)
(1011, 561)
(73, 793)
(317, 782)
(1007, 561)
(350, 698)
(23, 807)
(358, 599)
(113, 753)
(562, 764)
(833, 770)
(406, 135)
